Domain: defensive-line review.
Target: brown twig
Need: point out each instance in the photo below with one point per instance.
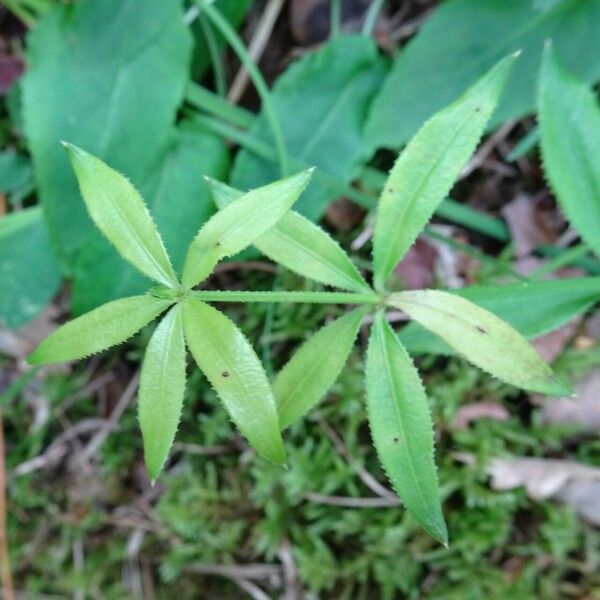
(351, 501)
(7, 584)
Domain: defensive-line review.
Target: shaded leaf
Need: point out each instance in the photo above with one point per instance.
(340, 78)
(29, 276)
(239, 224)
(120, 213)
(401, 427)
(301, 246)
(481, 337)
(230, 364)
(569, 116)
(162, 385)
(427, 168)
(464, 38)
(98, 330)
(107, 76)
(315, 366)
(556, 303)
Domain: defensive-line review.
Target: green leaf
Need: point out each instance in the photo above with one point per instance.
(462, 40)
(428, 167)
(120, 213)
(556, 302)
(313, 369)
(301, 246)
(109, 77)
(180, 202)
(230, 364)
(239, 224)
(569, 116)
(481, 337)
(16, 176)
(340, 79)
(29, 276)
(162, 385)
(401, 427)
(98, 330)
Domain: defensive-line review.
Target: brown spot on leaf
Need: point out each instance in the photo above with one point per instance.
(225, 374)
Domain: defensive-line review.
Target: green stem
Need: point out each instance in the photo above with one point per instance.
(20, 12)
(371, 18)
(568, 257)
(204, 99)
(229, 33)
(215, 58)
(300, 297)
(336, 18)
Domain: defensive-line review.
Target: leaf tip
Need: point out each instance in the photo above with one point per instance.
(516, 54)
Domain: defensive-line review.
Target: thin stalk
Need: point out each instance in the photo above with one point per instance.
(20, 12)
(215, 58)
(335, 18)
(216, 105)
(371, 18)
(7, 584)
(230, 34)
(297, 297)
(568, 257)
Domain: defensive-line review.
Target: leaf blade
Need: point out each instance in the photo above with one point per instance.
(427, 168)
(120, 213)
(569, 117)
(106, 326)
(162, 386)
(481, 337)
(301, 246)
(315, 366)
(402, 429)
(239, 224)
(230, 364)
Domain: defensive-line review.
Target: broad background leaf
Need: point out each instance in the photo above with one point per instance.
(121, 214)
(340, 79)
(107, 76)
(569, 116)
(315, 366)
(236, 227)
(162, 386)
(301, 246)
(555, 303)
(179, 200)
(481, 337)
(230, 364)
(427, 168)
(401, 427)
(106, 326)
(462, 40)
(29, 276)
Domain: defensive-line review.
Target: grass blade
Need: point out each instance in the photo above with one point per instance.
(401, 427)
(230, 364)
(106, 326)
(162, 385)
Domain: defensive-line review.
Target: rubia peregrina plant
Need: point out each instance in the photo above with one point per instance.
(397, 406)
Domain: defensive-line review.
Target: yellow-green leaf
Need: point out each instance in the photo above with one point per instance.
(110, 324)
(481, 337)
(239, 224)
(122, 216)
(162, 385)
(427, 168)
(401, 427)
(313, 369)
(301, 246)
(230, 364)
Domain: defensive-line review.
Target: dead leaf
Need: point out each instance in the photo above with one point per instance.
(583, 410)
(552, 344)
(479, 410)
(11, 68)
(416, 268)
(344, 215)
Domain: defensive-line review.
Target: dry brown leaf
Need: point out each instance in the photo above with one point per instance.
(552, 344)
(417, 266)
(479, 410)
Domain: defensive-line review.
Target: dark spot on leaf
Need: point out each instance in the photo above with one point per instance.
(225, 374)
(480, 329)
(396, 440)
(478, 109)
(217, 244)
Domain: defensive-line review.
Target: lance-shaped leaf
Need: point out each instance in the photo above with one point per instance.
(401, 427)
(110, 324)
(556, 302)
(313, 369)
(569, 117)
(428, 167)
(230, 364)
(120, 213)
(162, 385)
(239, 224)
(301, 246)
(482, 338)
